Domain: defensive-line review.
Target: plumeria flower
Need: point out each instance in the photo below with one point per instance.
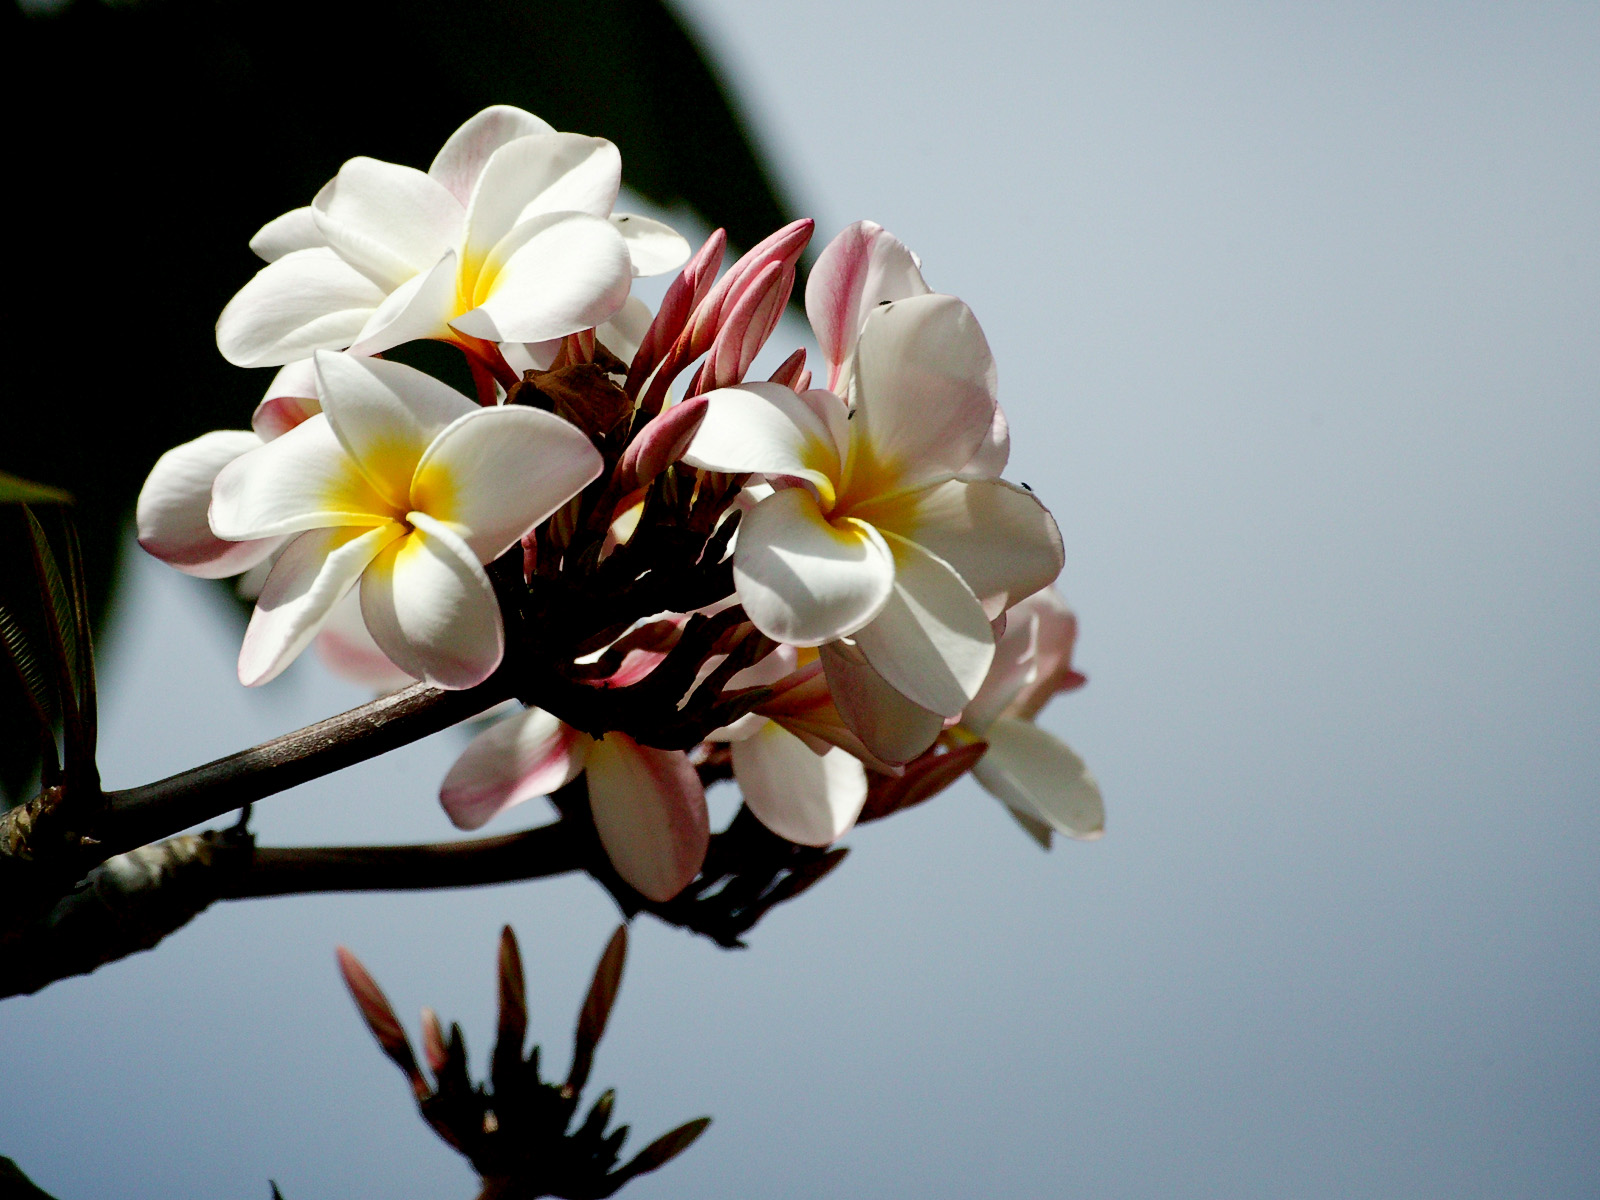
(173, 525)
(507, 237)
(1038, 778)
(871, 533)
(798, 764)
(862, 268)
(172, 512)
(405, 485)
(649, 806)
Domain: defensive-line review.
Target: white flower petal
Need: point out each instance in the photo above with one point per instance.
(290, 398)
(924, 393)
(310, 576)
(528, 754)
(997, 536)
(766, 428)
(932, 641)
(295, 230)
(1055, 632)
(419, 308)
(625, 331)
(431, 608)
(650, 812)
(385, 415)
(538, 175)
(172, 508)
(460, 161)
(803, 581)
(497, 472)
(860, 269)
(307, 300)
(889, 726)
(807, 798)
(388, 221)
(346, 648)
(654, 248)
(302, 480)
(994, 453)
(1035, 773)
(551, 276)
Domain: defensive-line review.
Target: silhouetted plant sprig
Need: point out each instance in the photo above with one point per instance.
(517, 1129)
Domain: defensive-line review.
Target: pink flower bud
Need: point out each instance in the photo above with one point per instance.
(713, 312)
(792, 372)
(746, 328)
(661, 442)
(686, 292)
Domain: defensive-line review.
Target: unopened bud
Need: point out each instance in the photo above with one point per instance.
(661, 442)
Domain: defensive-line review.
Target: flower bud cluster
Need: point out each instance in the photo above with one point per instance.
(830, 588)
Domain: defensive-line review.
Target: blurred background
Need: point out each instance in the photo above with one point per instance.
(1297, 312)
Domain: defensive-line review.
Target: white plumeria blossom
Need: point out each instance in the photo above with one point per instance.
(798, 766)
(507, 237)
(862, 268)
(872, 533)
(1041, 780)
(649, 806)
(406, 486)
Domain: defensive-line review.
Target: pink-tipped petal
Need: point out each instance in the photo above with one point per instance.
(650, 812)
(893, 728)
(860, 269)
(684, 294)
(347, 649)
(528, 754)
(460, 161)
(1054, 635)
(290, 398)
(749, 321)
(173, 504)
(791, 370)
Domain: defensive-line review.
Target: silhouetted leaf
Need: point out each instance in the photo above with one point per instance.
(379, 1015)
(506, 1063)
(14, 1185)
(663, 1150)
(597, 1008)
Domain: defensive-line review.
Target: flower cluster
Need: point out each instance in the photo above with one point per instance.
(813, 588)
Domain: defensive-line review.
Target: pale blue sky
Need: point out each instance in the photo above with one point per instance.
(1297, 312)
